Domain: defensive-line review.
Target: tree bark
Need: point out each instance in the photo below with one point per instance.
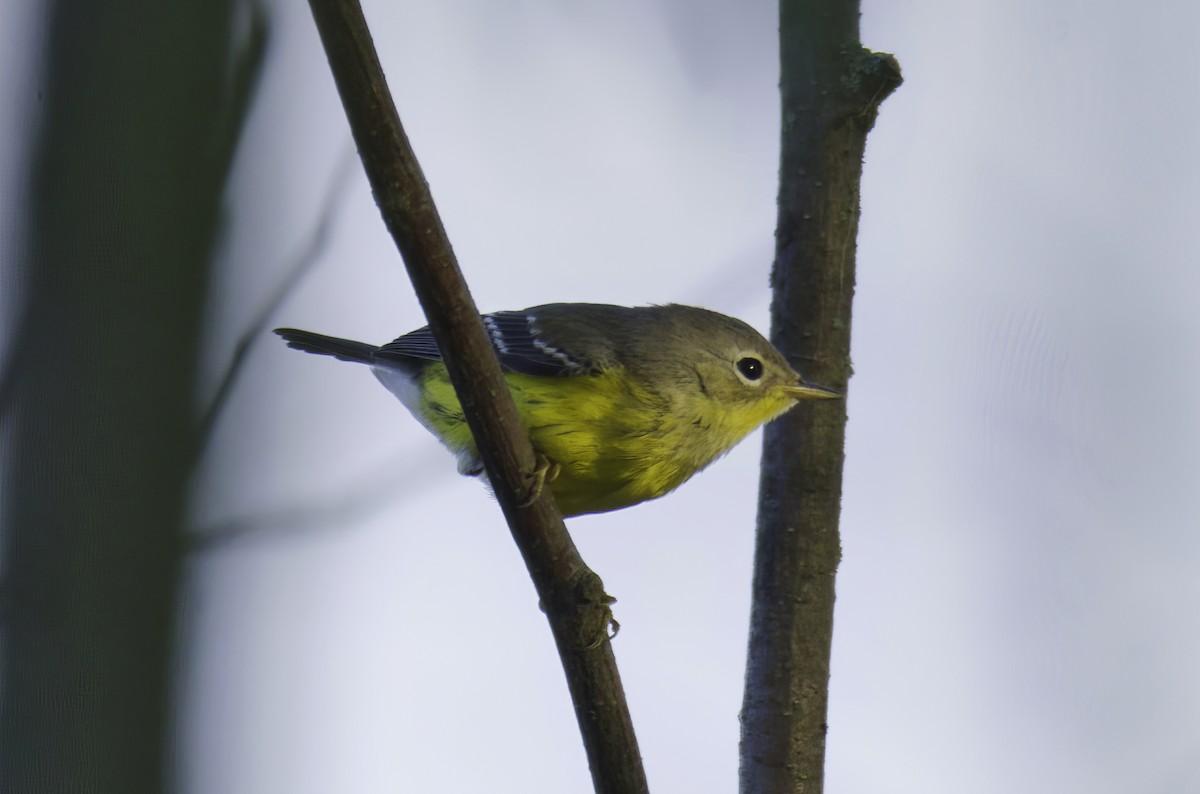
(571, 594)
(831, 89)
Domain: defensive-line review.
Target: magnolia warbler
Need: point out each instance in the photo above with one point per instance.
(625, 404)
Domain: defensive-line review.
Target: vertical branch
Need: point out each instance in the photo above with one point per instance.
(830, 89)
(571, 594)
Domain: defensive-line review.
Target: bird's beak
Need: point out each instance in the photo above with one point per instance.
(807, 391)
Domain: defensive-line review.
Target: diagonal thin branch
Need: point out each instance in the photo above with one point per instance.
(365, 496)
(571, 594)
(308, 257)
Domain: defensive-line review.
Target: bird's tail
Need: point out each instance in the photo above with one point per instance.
(344, 349)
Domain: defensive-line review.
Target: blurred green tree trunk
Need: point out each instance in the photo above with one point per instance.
(139, 113)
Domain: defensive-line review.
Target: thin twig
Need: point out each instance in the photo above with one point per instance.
(256, 330)
(365, 496)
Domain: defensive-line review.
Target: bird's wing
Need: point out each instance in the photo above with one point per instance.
(517, 339)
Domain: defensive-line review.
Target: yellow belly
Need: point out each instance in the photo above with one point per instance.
(616, 444)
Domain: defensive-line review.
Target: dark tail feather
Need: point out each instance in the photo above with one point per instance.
(344, 349)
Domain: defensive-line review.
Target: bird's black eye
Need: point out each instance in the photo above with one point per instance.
(751, 368)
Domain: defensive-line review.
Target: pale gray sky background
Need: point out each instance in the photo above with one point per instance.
(1017, 605)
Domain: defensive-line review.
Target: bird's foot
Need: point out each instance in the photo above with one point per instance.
(547, 471)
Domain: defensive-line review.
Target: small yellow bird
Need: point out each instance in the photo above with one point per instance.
(624, 403)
